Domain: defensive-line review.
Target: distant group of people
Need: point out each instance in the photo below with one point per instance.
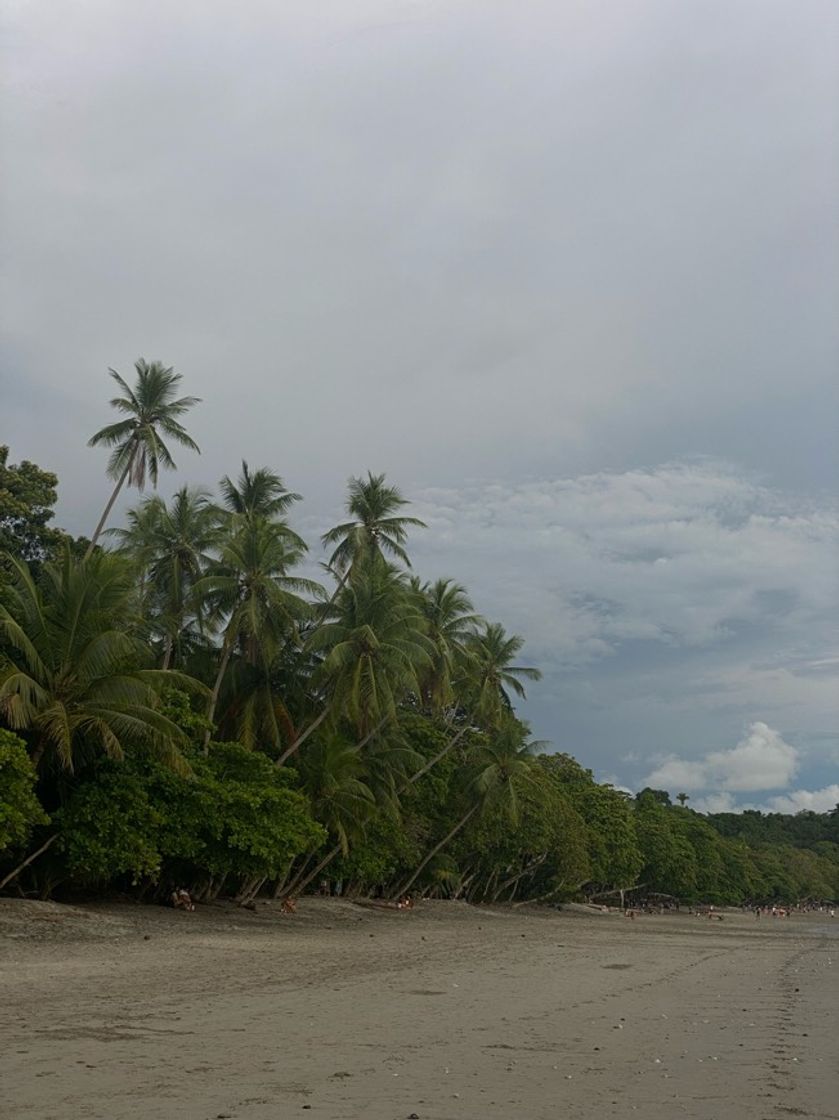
(786, 911)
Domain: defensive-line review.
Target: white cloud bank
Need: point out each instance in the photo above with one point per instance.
(683, 554)
(762, 760)
(816, 800)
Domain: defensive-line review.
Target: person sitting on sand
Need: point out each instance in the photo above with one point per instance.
(406, 903)
(182, 900)
(289, 906)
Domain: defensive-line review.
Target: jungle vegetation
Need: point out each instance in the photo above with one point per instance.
(182, 704)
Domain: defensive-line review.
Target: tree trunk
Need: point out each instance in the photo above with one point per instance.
(103, 519)
(227, 649)
(301, 739)
(217, 888)
(167, 654)
(280, 884)
(437, 758)
(300, 884)
(250, 890)
(38, 753)
(29, 859)
(534, 863)
(465, 884)
(439, 847)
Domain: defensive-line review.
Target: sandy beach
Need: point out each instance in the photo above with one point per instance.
(443, 1013)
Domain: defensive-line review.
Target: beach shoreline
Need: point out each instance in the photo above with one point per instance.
(117, 1011)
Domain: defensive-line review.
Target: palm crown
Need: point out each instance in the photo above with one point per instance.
(69, 676)
(151, 410)
(259, 493)
(377, 527)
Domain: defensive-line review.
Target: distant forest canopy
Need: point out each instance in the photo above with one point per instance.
(181, 707)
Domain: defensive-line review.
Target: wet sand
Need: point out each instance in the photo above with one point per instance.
(444, 1013)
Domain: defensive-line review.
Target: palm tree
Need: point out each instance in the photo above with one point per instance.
(683, 798)
(261, 493)
(450, 622)
(151, 412)
(494, 771)
(495, 677)
(333, 775)
(136, 541)
(71, 674)
(372, 651)
(484, 682)
(173, 544)
(376, 529)
(252, 593)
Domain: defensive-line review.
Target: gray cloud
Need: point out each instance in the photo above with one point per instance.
(482, 247)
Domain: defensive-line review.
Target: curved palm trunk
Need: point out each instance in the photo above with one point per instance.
(29, 859)
(514, 879)
(437, 848)
(227, 650)
(298, 742)
(106, 512)
(301, 884)
(437, 758)
(301, 739)
(38, 753)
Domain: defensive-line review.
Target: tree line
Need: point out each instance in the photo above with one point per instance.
(181, 705)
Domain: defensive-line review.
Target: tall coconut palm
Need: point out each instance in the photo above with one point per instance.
(376, 527)
(151, 411)
(136, 541)
(254, 594)
(494, 770)
(372, 650)
(260, 493)
(493, 676)
(485, 677)
(333, 775)
(72, 676)
(450, 622)
(174, 545)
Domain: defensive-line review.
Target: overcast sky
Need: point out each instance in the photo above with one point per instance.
(567, 272)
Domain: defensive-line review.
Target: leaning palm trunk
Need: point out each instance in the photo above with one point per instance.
(437, 758)
(107, 511)
(514, 880)
(298, 742)
(250, 889)
(38, 753)
(301, 739)
(437, 848)
(300, 884)
(227, 650)
(29, 859)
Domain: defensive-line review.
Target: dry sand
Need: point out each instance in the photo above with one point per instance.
(444, 1013)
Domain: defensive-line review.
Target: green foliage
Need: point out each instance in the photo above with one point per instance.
(670, 863)
(73, 676)
(394, 698)
(27, 497)
(614, 854)
(546, 853)
(20, 810)
(234, 814)
(110, 827)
